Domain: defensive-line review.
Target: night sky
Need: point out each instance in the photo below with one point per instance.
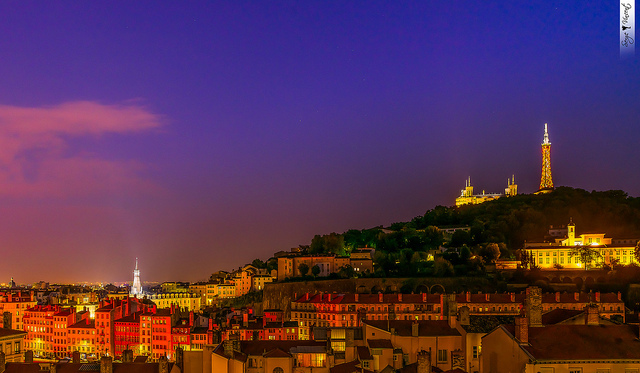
(198, 136)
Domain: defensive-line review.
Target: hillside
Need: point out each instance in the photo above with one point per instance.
(497, 229)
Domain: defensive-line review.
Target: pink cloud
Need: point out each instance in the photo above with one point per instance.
(34, 157)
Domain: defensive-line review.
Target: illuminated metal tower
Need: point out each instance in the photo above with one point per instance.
(545, 181)
(136, 288)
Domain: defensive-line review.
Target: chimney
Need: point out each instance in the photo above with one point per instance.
(424, 362)
(522, 329)
(106, 364)
(3, 363)
(424, 297)
(210, 323)
(127, 356)
(487, 297)
(392, 331)
(468, 297)
(414, 328)
(306, 296)
(557, 297)
(598, 296)
(593, 316)
(28, 356)
(619, 296)
(464, 316)
(163, 365)
(533, 302)
(245, 320)
(356, 296)
(228, 348)
(75, 357)
(380, 297)
(513, 297)
(399, 297)
(576, 296)
(329, 297)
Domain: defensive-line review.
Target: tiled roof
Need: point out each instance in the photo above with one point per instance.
(84, 324)
(485, 324)
(380, 343)
(350, 367)
(11, 333)
(370, 298)
(559, 315)
(364, 353)
(276, 352)
(22, 368)
(579, 342)
(426, 328)
(257, 348)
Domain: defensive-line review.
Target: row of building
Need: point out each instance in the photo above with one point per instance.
(465, 333)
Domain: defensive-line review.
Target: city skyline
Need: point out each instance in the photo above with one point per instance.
(200, 136)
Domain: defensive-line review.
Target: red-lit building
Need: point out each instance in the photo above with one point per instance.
(127, 333)
(161, 334)
(61, 321)
(46, 329)
(81, 337)
(181, 333)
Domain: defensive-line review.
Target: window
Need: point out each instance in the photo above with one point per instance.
(476, 351)
(442, 356)
(575, 370)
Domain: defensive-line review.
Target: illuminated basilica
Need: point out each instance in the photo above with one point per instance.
(468, 198)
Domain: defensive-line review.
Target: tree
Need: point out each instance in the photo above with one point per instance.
(442, 268)
(585, 254)
(346, 271)
(315, 270)
(558, 266)
(258, 263)
(304, 269)
(636, 252)
(490, 252)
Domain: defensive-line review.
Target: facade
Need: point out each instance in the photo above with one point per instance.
(349, 310)
(81, 338)
(15, 303)
(468, 198)
(397, 343)
(360, 260)
(548, 255)
(126, 333)
(185, 301)
(12, 345)
(46, 328)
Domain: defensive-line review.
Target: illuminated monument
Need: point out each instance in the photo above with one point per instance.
(468, 198)
(546, 183)
(136, 288)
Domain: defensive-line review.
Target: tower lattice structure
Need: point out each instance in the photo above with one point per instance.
(136, 288)
(545, 181)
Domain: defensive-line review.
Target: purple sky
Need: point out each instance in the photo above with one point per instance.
(197, 136)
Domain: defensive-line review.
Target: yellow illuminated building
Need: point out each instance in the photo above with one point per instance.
(468, 198)
(547, 254)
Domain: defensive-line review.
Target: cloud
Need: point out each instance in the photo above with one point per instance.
(36, 160)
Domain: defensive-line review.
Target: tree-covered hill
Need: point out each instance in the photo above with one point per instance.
(497, 228)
